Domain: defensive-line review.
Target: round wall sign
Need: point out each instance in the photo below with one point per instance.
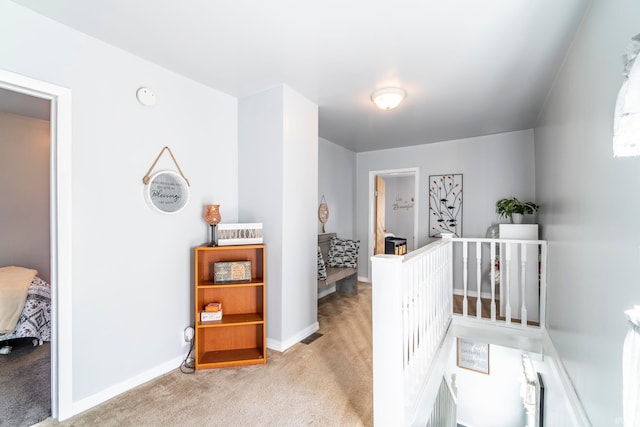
(167, 192)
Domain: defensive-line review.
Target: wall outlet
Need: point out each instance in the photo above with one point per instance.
(187, 334)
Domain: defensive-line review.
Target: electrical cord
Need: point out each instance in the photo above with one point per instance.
(188, 364)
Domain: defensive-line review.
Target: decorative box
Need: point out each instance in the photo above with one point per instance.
(210, 316)
(232, 271)
(239, 234)
(213, 306)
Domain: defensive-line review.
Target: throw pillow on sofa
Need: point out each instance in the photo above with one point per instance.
(322, 269)
(343, 253)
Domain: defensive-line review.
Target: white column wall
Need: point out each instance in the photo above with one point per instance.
(278, 178)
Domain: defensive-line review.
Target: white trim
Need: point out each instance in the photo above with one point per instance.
(61, 250)
(289, 342)
(130, 383)
(364, 279)
(415, 172)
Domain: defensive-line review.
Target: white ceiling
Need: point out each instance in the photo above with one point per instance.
(470, 67)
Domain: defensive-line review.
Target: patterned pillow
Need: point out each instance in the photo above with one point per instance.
(343, 253)
(322, 269)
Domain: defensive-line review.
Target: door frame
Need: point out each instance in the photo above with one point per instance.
(391, 173)
(61, 237)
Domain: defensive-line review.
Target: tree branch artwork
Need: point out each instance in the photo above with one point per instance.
(445, 205)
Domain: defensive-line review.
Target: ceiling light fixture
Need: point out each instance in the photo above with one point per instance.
(388, 98)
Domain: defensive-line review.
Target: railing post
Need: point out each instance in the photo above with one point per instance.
(493, 281)
(507, 280)
(543, 285)
(479, 279)
(523, 278)
(465, 277)
(387, 330)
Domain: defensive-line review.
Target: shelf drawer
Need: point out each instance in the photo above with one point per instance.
(206, 257)
(233, 320)
(235, 300)
(229, 338)
(236, 357)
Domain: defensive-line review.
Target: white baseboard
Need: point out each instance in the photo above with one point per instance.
(111, 392)
(293, 340)
(364, 279)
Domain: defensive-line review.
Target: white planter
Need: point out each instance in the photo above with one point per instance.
(516, 218)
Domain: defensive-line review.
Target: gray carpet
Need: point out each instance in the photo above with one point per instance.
(25, 378)
(328, 382)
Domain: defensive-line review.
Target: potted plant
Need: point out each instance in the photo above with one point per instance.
(514, 209)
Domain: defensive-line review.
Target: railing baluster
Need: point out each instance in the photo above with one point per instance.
(523, 271)
(478, 279)
(492, 261)
(507, 280)
(543, 285)
(465, 261)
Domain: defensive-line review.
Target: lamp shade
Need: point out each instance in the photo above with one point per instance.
(388, 98)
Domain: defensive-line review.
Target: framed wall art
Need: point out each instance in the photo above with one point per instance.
(445, 205)
(473, 355)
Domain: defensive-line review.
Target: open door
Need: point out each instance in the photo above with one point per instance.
(380, 211)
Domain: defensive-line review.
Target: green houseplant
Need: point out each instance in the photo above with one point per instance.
(513, 208)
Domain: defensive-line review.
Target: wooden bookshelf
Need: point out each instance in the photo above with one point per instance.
(239, 338)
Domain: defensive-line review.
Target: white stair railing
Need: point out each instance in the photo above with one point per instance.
(411, 312)
(445, 412)
(412, 306)
(515, 268)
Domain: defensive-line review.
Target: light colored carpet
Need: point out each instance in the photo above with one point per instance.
(328, 382)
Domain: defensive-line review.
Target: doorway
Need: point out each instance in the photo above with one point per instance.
(394, 209)
(60, 234)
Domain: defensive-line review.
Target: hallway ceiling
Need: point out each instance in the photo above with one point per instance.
(470, 67)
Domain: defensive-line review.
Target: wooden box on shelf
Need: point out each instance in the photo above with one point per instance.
(239, 338)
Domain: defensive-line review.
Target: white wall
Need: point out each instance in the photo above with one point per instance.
(131, 267)
(590, 210)
(336, 182)
(399, 207)
(493, 167)
(278, 177)
(24, 192)
(490, 400)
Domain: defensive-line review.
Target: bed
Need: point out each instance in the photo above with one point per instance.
(35, 317)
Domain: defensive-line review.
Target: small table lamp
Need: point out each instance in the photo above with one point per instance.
(212, 217)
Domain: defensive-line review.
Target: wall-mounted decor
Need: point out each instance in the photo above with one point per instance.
(473, 355)
(401, 203)
(445, 205)
(323, 212)
(166, 191)
(239, 234)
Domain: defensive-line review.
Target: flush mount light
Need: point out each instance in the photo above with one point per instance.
(388, 98)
